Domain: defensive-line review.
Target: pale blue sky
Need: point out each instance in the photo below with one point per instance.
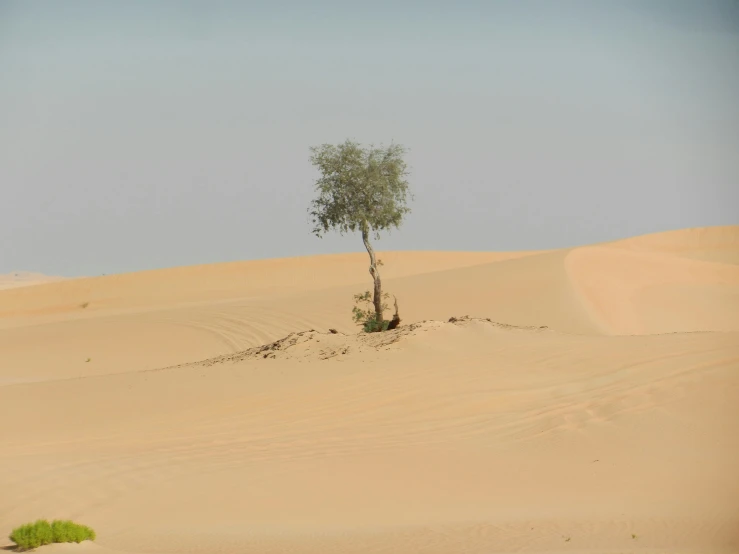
(145, 134)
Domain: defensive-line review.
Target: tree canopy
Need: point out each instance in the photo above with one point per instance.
(361, 189)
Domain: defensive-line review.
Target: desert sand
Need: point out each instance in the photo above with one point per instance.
(16, 279)
(589, 403)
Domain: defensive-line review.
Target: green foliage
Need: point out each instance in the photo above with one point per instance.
(40, 533)
(68, 531)
(359, 189)
(32, 535)
(365, 316)
(370, 325)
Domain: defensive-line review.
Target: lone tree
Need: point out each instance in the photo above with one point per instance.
(361, 189)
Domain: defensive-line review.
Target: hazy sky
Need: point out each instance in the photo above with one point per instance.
(146, 134)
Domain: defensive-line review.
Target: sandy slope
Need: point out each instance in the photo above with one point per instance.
(17, 279)
(685, 280)
(619, 419)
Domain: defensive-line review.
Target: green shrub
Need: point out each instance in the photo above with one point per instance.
(68, 531)
(32, 535)
(371, 325)
(40, 533)
(366, 317)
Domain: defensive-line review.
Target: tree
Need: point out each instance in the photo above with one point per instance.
(360, 189)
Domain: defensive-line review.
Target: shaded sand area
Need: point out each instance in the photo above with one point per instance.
(590, 404)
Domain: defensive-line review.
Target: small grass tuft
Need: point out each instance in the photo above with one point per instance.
(40, 533)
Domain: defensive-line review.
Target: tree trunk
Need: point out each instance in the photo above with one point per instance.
(377, 298)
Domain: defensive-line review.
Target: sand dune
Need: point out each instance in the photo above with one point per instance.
(589, 405)
(718, 244)
(646, 293)
(16, 279)
(166, 288)
(678, 281)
